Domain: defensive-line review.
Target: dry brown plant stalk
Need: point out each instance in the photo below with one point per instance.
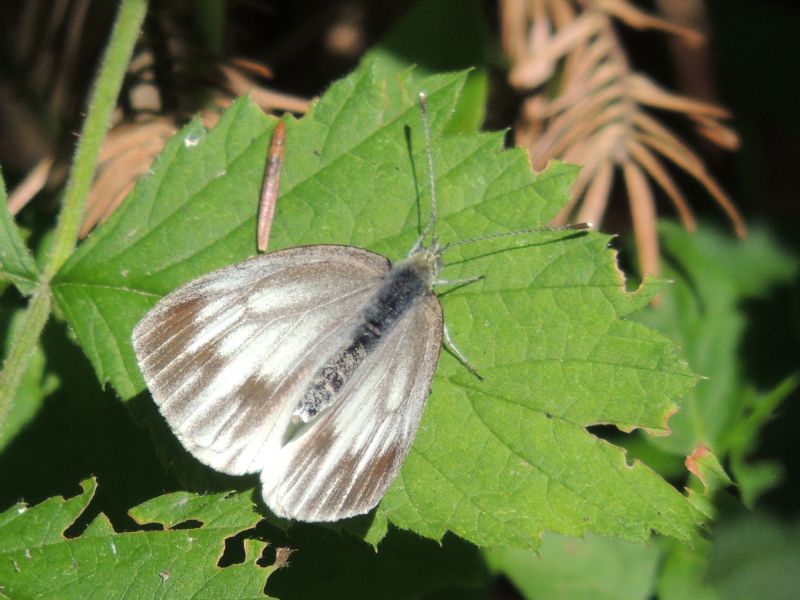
(588, 106)
(130, 148)
(141, 131)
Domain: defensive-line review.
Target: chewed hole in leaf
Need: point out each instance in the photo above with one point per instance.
(618, 437)
(609, 433)
(189, 524)
(234, 552)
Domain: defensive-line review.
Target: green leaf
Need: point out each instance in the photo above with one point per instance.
(498, 461)
(722, 289)
(756, 478)
(573, 568)
(704, 465)
(37, 559)
(436, 36)
(704, 312)
(16, 261)
(707, 470)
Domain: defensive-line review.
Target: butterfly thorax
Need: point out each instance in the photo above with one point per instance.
(403, 286)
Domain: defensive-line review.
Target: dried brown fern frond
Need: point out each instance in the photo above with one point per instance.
(588, 106)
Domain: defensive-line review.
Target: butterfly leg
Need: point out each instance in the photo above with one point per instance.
(453, 349)
(448, 341)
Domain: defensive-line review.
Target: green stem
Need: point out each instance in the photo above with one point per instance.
(21, 348)
(210, 21)
(104, 97)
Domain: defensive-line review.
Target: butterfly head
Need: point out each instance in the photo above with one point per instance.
(426, 262)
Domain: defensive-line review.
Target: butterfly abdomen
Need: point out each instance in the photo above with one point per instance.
(404, 285)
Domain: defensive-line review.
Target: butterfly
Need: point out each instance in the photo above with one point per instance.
(310, 366)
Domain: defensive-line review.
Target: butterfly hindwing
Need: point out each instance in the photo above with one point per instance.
(343, 462)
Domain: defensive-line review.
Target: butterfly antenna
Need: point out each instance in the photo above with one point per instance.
(430, 227)
(493, 236)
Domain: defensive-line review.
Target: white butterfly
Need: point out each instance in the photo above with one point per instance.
(309, 365)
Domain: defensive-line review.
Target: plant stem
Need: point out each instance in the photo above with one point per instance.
(104, 97)
(210, 21)
(21, 348)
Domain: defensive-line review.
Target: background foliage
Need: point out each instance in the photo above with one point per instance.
(730, 308)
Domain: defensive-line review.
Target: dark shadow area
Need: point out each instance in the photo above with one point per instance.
(83, 431)
(770, 352)
(295, 32)
(234, 552)
(79, 432)
(327, 564)
(187, 472)
(770, 346)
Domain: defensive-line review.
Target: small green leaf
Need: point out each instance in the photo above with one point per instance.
(755, 478)
(703, 464)
(499, 461)
(37, 560)
(16, 261)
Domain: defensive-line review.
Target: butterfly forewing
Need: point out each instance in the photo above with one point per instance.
(228, 356)
(341, 464)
